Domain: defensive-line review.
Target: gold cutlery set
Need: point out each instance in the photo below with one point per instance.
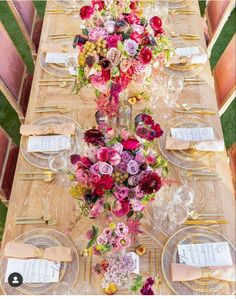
(62, 11)
(87, 254)
(52, 108)
(185, 36)
(174, 12)
(195, 175)
(193, 109)
(36, 220)
(157, 277)
(61, 36)
(194, 81)
(46, 176)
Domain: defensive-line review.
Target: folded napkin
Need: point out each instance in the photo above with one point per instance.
(181, 272)
(62, 129)
(23, 251)
(173, 143)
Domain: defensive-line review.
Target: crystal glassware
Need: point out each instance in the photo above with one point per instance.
(173, 89)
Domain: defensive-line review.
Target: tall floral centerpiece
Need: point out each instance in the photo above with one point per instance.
(119, 174)
(117, 46)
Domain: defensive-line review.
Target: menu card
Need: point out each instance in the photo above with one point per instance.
(34, 270)
(205, 255)
(187, 51)
(52, 143)
(193, 134)
(52, 57)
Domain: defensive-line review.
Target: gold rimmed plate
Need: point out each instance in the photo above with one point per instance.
(40, 159)
(43, 238)
(185, 70)
(54, 69)
(187, 159)
(203, 286)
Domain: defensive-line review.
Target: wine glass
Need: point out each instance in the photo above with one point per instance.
(162, 9)
(184, 195)
(177, 214)
(71, 63)
(58, 163)
(173, 89)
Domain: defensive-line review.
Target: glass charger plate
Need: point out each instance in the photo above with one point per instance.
(54, 69)
(203, 286)
(43, 238)
(185, 70)
(69, 3)
(176, 4)
(40, 159)
(187, 159)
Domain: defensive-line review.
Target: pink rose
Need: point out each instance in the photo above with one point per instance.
(97, 32)
(102, 240)
(118, 147)
(105, 168)
(132, 167)
(130, 144)
(136, 205)
(122, 229)
(97, 209)
(121, 192)
(94, 169)
(102, 154)
(113, 40)
(114, 157)
(99, 83)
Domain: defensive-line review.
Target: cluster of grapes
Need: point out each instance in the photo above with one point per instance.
(93, 49)
(120, 177)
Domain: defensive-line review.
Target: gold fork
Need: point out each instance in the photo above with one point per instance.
(182, 11)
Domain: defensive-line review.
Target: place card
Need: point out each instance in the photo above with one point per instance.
(135, 257)
(205, 255)
(187, 51)
(52, 57)
(52, 143)
(34, 270)
(193, 134)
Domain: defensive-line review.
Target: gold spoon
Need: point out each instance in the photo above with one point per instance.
(185, 35)
(195, 215)
(182, 11)
(65, 11)
(59, 84)
(45, 178)
(188, 107)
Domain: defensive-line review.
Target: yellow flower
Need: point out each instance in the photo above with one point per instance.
(98, 247)
(77, 191)
(112, 225)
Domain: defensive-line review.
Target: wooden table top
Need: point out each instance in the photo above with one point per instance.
(31, 197)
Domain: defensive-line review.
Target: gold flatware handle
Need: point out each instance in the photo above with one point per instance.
(195, 112)
(195, 178)
(212, 174)
(39, 221)
(61, 37)
(57, 80)
(195, 222)
(185, 37)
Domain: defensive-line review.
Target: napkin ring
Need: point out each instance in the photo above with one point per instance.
(206, 272)
(39, 252)
(50, 130)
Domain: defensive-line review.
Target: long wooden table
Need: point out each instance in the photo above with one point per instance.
(30, 197)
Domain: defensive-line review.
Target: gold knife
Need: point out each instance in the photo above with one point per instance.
(202, 222)
(206, 112)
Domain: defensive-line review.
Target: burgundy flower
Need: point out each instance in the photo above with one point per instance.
(74, 159)
(155, 23)
(145, 55)
(130, 144)
(147, 119)
(86, 12)
(94, 137)
(157, 129)
(149, 182)
(147, 287)
(106, 75)
(82, 160)
(142, 132)
(113, 40)
(98, 4)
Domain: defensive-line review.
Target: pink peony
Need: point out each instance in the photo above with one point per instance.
(118, 147)
(121, 208)
(113, 40)
(102, 154)
(121, 192)
(130, 144)
(99, 83)
(97, 32)
(97, 209)
(136, 205)
(114, 157)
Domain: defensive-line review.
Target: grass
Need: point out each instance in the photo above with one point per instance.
(8, 117)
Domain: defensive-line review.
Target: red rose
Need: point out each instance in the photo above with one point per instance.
(150, 182)
(133, 5)
(132, 19)
(136, 37)
(105, 183)
(130, 144)
(159, 31)
(86, 12)
(158, 130)
(145, 55)
(155, 23)
(113, 39)
(98, 4)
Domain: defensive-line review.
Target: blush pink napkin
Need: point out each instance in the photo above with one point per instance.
(173, 143)
(23, 251)
(62, 129)
(180, 272)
